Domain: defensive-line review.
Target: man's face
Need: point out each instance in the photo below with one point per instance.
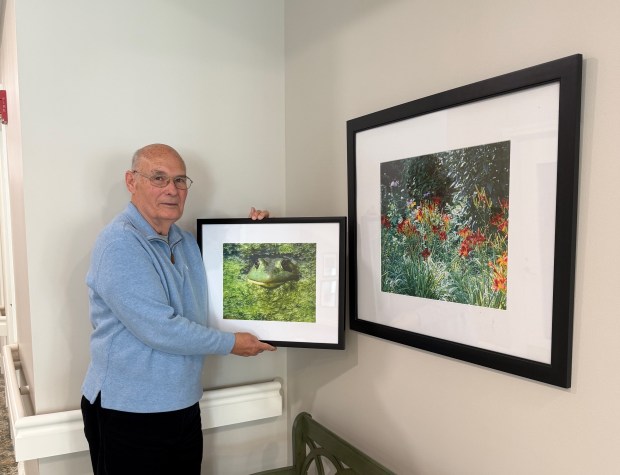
(161, 207)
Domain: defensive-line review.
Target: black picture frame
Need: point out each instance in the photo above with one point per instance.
(469, 113)
(281, 279)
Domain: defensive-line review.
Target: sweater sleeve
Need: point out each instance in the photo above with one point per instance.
(131, 282)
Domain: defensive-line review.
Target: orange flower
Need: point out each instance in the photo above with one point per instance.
(478, 238)
(499, 273)
(503, 259)
(464, 249)
(425, 253)
(470, 241)
(499, 221)
(385, 222)
(499, 283)
(419, 215)
(405, 227)
(465, 232)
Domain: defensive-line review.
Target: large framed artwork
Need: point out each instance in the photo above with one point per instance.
(282, 279)
(462, 221)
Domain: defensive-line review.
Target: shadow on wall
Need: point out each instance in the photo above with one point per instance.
(315, 375)
(319, 366)
(110, 184)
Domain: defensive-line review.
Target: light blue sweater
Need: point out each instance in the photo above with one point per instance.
(149, 318)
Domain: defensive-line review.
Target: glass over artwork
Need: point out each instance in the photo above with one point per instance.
(444, 225)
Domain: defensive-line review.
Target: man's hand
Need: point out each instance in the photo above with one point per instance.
(258, 214)
(247, 344)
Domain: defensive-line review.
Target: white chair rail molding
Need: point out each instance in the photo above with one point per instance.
(47, 435)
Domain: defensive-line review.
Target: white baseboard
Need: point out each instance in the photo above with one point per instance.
(48, 435)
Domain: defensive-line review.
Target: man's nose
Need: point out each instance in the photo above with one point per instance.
(170, 188)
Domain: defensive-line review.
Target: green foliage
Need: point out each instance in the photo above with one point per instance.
(415, 277)
(453, 177)
(444, 225)
(468, 168)
(428, 177)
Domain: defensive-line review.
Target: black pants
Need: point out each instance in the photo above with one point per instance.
(128, 443)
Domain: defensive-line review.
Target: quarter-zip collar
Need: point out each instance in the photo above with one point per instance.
(143, 226)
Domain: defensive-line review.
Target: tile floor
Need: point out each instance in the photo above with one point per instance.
(7, 457)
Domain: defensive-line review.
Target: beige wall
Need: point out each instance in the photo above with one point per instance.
(97, 80)
(14, 228)
(212, 77)
(417, 412)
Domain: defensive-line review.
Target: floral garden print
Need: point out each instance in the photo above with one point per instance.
(444, 225)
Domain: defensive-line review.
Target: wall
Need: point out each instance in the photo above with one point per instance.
(15, 265)
(97, 81)
(417, 412)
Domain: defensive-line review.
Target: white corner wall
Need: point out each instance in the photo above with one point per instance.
(97, 80)
(417, 412)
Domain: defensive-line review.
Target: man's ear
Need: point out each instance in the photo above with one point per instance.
(130, 181)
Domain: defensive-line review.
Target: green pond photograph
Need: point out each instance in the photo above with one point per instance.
(444, 225)
(269, 281)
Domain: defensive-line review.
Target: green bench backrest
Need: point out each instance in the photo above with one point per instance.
(313, 443)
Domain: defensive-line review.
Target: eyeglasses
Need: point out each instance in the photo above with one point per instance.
(160, 180)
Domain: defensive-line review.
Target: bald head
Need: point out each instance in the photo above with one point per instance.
(153, 189)
(154, 151)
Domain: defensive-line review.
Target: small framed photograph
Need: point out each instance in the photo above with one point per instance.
(281, 279)
(462, 215)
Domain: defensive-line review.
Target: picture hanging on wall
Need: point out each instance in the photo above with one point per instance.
(281, 279)
(462, 221)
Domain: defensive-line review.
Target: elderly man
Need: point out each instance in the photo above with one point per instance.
(147, 291)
